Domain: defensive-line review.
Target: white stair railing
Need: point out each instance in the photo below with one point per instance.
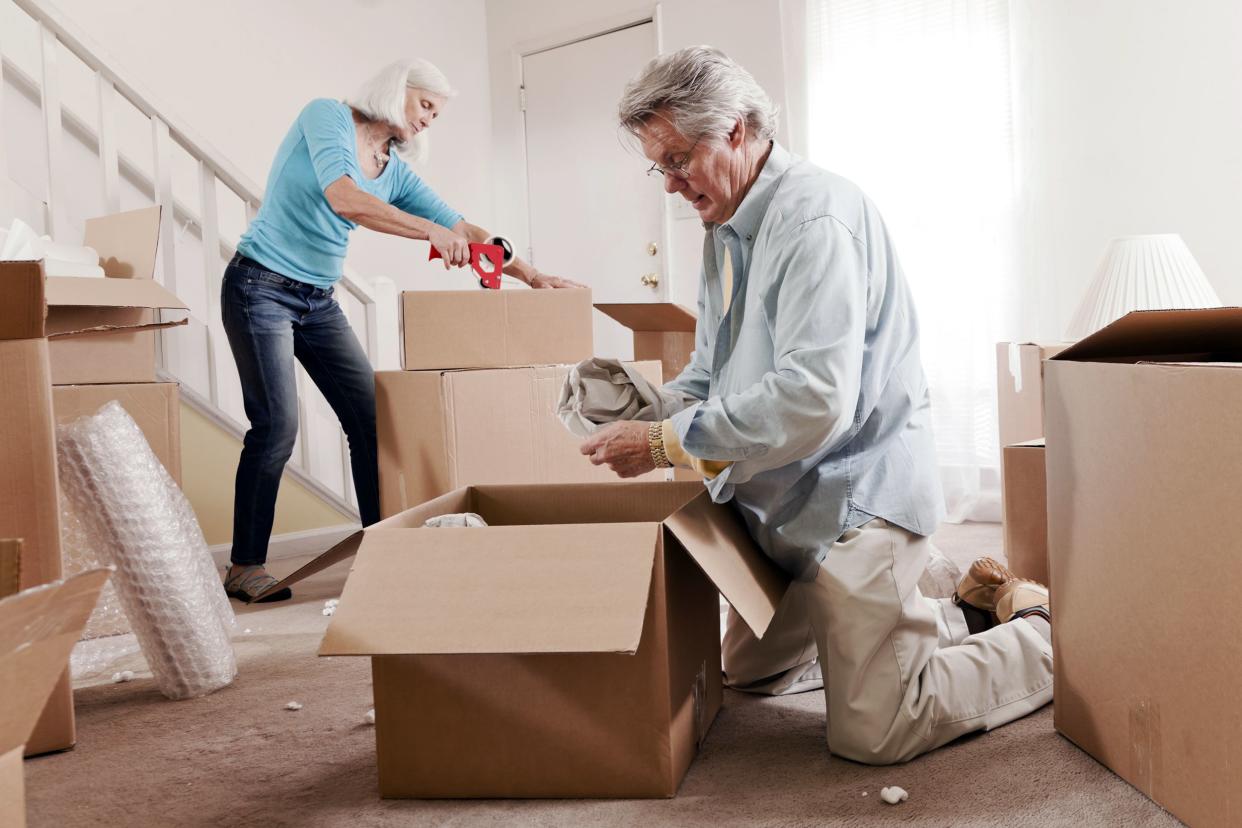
(196, 355)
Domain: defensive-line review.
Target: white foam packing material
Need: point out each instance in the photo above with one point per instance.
(165, 576)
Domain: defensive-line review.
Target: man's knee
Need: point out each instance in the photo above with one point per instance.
(869, 744)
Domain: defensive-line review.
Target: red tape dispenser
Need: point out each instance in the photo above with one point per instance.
(487, 258)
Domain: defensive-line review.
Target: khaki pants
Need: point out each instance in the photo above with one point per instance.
(901, 674)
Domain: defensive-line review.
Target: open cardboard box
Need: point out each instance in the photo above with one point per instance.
(38, 628)
(444, 329)
(663, 331)
(569, 649)
(1026, 510)
(1144, 465)
(439, 430)
(99, 330)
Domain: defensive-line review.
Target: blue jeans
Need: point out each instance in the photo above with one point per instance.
(271, 320)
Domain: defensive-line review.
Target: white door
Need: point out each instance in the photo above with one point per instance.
(594, 214)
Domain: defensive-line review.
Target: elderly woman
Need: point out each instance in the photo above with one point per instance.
(809, 412)
(339, 166)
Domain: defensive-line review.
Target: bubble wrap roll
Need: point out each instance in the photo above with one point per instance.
(165, 577)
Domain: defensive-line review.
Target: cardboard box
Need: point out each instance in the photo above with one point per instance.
(570, 649)
(442, 329)
(1144, 463)
(156, 407)
(663, 331)
(1020, 389)
(1026, 510)
(100, 330)
(38, 629)
(438, 430)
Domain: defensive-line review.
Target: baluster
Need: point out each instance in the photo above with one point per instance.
(57, 223)
(107, 143)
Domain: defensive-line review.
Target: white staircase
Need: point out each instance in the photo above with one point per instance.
(49, 70)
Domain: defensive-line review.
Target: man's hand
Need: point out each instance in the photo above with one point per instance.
(542, 280)
(621, 446)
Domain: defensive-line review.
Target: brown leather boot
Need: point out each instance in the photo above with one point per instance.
(1020, 598)
(979, 585)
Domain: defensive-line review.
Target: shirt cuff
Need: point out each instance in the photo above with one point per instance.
(678, 456)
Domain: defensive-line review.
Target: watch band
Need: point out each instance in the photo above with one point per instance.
(655, 442)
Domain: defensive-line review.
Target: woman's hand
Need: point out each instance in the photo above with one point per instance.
(623, 447)
(542, 280)
(455, 248)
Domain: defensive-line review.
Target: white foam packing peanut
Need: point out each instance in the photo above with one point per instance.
(894, 795)
(165, 577)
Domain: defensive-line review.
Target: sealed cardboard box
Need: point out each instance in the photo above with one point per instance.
(100, 330)
(438, 430)
(443, 329)
(1144, 463)
(663, 331)
(569, 649)
(1026, 510)
(38, 628)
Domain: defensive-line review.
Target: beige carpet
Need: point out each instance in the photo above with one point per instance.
(238, 758)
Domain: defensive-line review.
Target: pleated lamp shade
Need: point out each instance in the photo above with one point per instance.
(1142, 273)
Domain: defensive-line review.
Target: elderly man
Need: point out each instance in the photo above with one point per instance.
(809, 411)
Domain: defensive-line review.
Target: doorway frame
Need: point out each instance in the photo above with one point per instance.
(596, 27)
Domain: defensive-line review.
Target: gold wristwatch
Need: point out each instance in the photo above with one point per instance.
(655, 442)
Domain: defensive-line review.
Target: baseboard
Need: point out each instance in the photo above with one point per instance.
(293, 544)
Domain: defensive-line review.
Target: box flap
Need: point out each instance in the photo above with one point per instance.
(22, 304)
(83, 291)
(38, 629)
(1037, 443)
(126, 243)
(571, 588)
(1199, 335)
(345, 549)
(650, 316)
(717, 539)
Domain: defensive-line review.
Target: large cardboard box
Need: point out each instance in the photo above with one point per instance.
(570, 649)
(663, 331)
(68, 329)
(1144, 463)
(100, 330)
(494, 328)
(155, 406)
(1026, 510)
(438, 430)
(38, 629)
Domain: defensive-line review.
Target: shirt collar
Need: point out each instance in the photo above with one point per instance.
(749, 214)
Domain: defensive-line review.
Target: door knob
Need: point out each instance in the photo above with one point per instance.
(653, 249)
(650, 280)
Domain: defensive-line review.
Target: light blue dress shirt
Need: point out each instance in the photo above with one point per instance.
(810, 382)
(297, 233)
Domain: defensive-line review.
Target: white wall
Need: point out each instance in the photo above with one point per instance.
(238, 72)
(1129, 120)
(750, 31)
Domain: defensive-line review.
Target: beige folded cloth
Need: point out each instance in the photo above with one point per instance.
(599, 391)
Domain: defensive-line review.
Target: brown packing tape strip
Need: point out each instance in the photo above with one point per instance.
(10, 566)
(99, 330)
(1146, 747)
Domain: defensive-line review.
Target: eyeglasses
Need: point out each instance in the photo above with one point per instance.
(678, 170)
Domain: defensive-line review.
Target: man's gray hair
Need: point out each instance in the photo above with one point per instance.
(382, 98)
(703, 92)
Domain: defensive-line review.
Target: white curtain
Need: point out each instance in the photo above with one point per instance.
(910, 99)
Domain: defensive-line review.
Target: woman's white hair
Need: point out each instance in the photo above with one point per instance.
(382, 99)
(702, 91)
